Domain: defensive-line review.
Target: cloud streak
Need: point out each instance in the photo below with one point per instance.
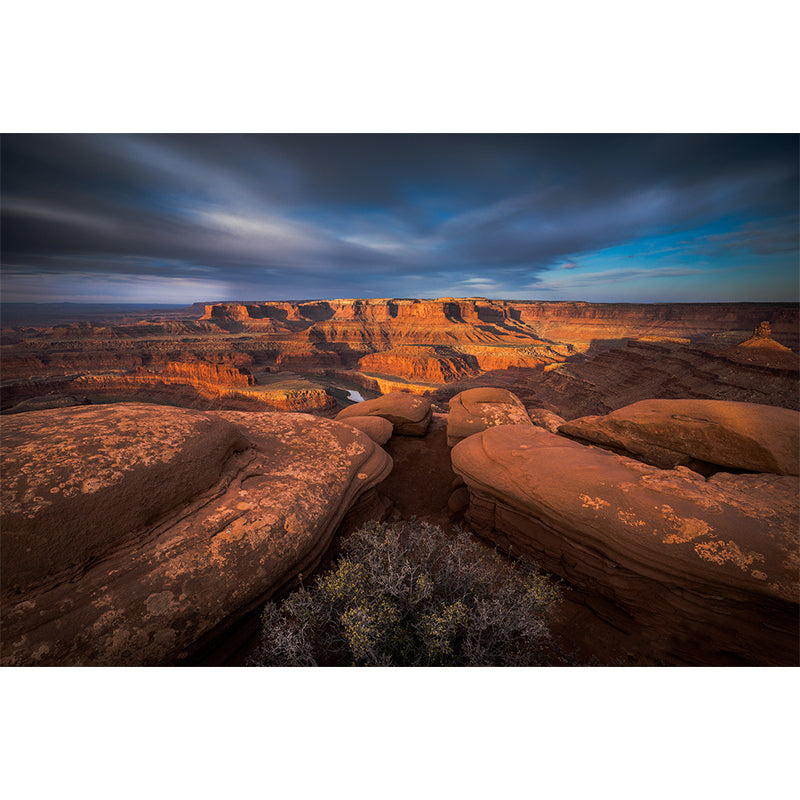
(304, 216)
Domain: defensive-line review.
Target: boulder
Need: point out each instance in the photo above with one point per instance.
(377, 428)
(706, 571)
(474, 410)
(410, 414)
(543, 418)
(136, 534)
(667, 433)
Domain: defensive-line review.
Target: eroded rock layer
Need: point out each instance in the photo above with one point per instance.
(475, 410)
(409, 414)
(706, 571)
(667, 433)
(410, 345)
(134, 534)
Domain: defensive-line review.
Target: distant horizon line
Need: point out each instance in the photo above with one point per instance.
(389, 299)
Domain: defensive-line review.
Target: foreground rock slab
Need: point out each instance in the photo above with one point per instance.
(134, 534)
(409, 413)
(377, 428)
(706, 571)
(474, 410)
(666, 433)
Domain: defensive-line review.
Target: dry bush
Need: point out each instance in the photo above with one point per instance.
(409, 594)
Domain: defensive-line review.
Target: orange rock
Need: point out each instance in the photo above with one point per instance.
(430, 364)
(135, 534)
(474, 410)
(762, 339)
(543, 418)
(409, 414)
(377, 428)
(669, 432)
(706, 571)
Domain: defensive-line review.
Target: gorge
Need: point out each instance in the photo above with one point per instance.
(166, 473)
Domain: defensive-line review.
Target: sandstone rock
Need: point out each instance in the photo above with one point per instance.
(437, 364)
(135, 534)
(616, 377)
(477, 409)
(466, 334)
(213, 375)
(762, 339)
(543, 418)
(409, 414)
(377, 428)
(708, 570)
(458, 502)
(669, 432)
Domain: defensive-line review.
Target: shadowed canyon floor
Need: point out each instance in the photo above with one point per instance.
(164, 475)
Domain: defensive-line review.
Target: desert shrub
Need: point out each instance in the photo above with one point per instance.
(409, 594)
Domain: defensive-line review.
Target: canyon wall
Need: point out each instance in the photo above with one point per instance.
(479, 320)
(408, 344)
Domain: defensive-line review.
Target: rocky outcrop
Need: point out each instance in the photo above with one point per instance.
(449, 320)
(475, 410)
(377, 428)
(584, 324)
(428, 364)
(181, 388)
(667, 433)
(543, 418)
(409, 414)
(638, 371)
(133, 534)
(444, 364)
(762, 337)
(706, 571)
(304, 357)
(272, 398)
(419, 345)
(380, 384)
(202, 374)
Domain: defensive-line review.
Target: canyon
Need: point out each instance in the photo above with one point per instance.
(132, 443)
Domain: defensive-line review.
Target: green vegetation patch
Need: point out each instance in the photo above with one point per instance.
(409, 594)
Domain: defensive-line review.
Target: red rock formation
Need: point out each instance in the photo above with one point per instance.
(667, 433)
(543, 418)
(447, 320)
(448, 338)
(762, 349)
(428, 364)
(304, 357)
(133, 533)
(409, 414)
(377, 428)
(706, 572)
(211, 375)
(380, 384)
(583, 323)
(475, 410)
(384, 322)
(618, 377)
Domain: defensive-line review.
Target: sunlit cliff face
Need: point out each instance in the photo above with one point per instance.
(176, 219)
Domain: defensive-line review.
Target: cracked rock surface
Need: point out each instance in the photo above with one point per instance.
(705, 570)
(132, 533)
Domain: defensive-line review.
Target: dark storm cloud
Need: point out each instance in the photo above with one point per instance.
(343, 214)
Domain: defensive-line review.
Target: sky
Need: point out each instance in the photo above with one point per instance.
(199, 218)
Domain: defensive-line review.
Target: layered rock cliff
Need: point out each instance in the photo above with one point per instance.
(476, 320)
(420, 345)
